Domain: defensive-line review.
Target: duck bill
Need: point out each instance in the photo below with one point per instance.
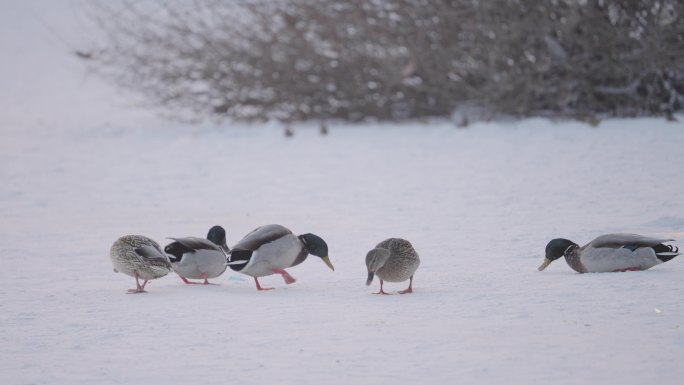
(371, 275)
(327, 262)
(544, 264)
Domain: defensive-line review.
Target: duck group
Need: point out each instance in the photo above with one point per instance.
(266, 250)
(272, 249)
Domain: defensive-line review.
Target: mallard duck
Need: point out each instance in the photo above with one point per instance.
(611, 253)
(199, 258)
(271, 249)
(139, 257)
(392, 260)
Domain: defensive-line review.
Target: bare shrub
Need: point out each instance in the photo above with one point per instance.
(392, 60)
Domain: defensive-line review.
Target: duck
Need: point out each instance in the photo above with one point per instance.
(392, 260)
(271, 249)
(139, 257)
(611, 253)
(199, 258)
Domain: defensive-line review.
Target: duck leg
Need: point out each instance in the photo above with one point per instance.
(188, 282)
(286, 276)
(206, 280)
(410, 288)
(139, 288)
(627, 269)
(259, 286)
(382, 291)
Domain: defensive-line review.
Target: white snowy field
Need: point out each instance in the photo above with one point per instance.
(478, 204)
(79, 168)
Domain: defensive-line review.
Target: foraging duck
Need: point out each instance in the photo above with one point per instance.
(199, 258)
(611, 253)
(271, 249)
(392, 260)
(139, 257)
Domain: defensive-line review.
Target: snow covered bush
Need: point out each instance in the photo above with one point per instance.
(392, 60)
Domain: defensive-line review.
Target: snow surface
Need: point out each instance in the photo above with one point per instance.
(80, 168)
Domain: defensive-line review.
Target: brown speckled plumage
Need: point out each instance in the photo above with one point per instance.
(139, 257)
(392, 260)
(402, 262)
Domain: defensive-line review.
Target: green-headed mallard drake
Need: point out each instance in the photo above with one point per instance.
(611, 253)
(139, 257)
(392, 260)
(271, 249)
(199, 258)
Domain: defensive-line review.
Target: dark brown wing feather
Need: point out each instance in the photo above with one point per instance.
(194, 243)
(261, 236)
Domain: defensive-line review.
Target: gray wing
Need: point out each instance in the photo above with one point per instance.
(151, 253)
(616, 241)
(195, 243)
(261, 236)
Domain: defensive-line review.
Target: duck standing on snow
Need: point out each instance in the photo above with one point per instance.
(139, 257)
(611, 253)
(271, 249)
(199, 258)
(392, 260)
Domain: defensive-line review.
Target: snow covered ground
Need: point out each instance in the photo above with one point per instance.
(79, 168)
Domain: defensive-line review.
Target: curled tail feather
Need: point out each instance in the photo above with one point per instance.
(665, 252)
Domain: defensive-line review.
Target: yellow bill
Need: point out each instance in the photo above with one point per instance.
(545, 264)
(327, 262)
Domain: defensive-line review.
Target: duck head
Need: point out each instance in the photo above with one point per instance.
(217, 235)
(317, 246)
(375, 259)
(555, 249)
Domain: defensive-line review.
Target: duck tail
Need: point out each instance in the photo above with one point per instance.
(665, 252)
(238, 259)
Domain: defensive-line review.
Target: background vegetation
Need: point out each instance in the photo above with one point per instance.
(393, 60)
